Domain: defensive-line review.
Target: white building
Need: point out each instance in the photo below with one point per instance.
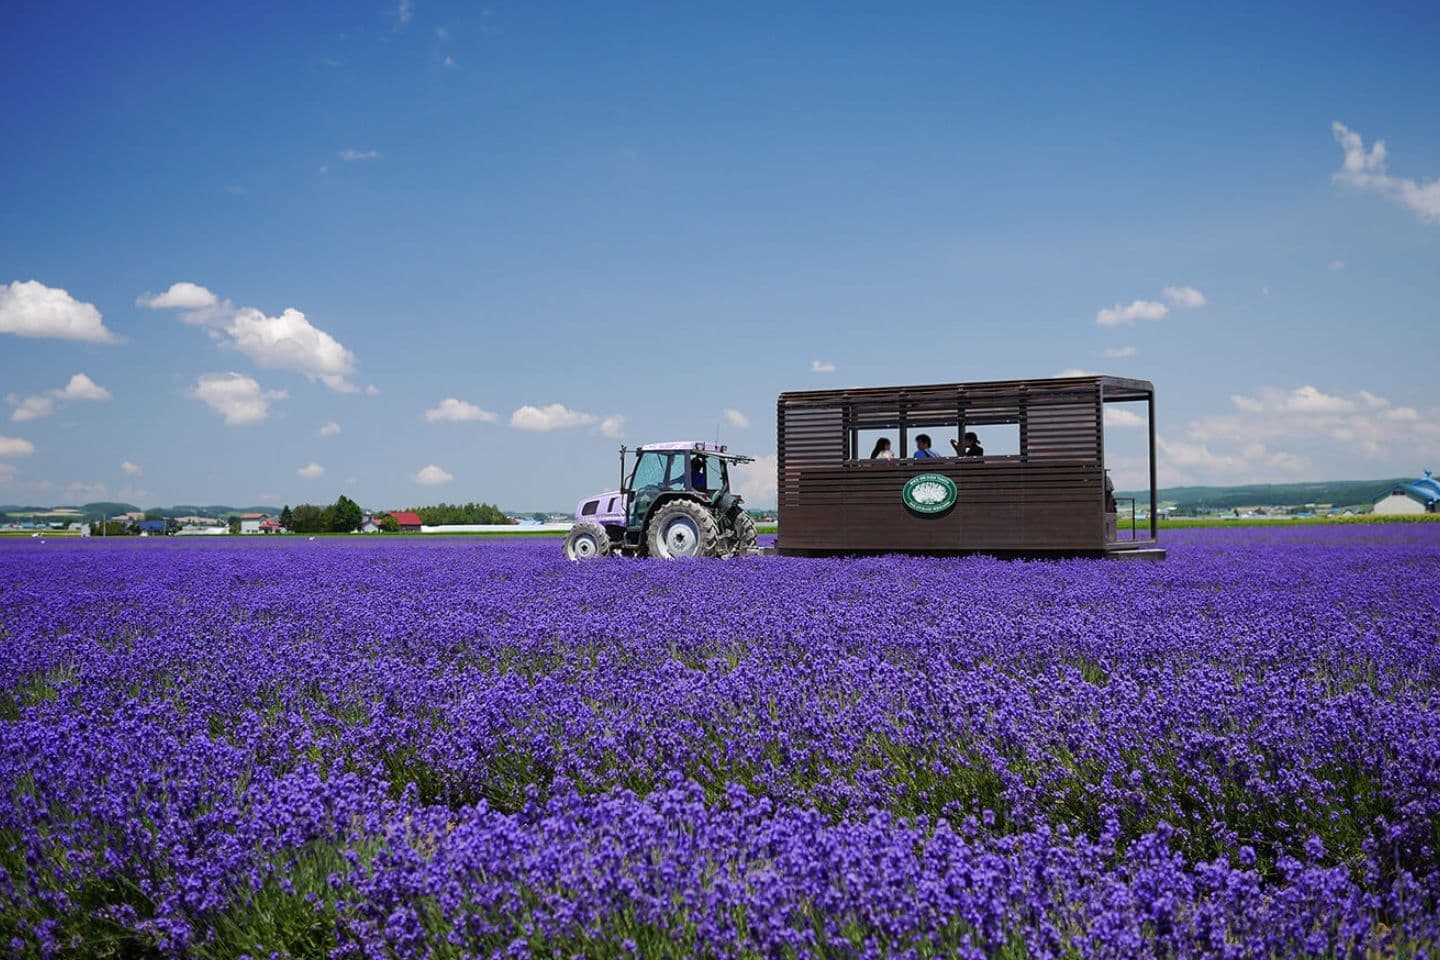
(1421, 496)
(250, 522)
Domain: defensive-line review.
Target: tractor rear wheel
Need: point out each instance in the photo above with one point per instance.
(744, 535)
(586, 541)
(683, 528)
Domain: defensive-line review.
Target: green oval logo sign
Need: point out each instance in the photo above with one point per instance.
(929, 493)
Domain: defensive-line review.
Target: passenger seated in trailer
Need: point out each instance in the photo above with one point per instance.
(882, 450)
(922, 447)
(971, 448)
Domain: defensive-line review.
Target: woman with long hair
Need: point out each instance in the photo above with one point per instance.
(882, 450)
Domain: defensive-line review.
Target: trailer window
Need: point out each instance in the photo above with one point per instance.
(866, 440)
(997, 439)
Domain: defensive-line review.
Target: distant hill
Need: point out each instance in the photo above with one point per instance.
(101, 508)
(1340, 493)
(108, 508)
(214, 510)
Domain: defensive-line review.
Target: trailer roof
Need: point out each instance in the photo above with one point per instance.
(1114, 388)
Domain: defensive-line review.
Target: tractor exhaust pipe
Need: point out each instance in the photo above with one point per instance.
(621, 485)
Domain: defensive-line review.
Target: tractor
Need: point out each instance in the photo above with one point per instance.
(675, 502)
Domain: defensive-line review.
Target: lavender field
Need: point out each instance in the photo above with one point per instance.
(361, 748)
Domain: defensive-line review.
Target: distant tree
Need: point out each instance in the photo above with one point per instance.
(443, 513)
(154, 515)
(389, 524)
(307, 518)
(539, 517)
(111, 528)
(346, 515)
(327, 518)
(233, 521)
(286, 516)
(172, 526)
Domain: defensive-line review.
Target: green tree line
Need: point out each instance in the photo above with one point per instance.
(342, 516)
(442, 513)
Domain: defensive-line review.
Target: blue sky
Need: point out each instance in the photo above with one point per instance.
(486, 245)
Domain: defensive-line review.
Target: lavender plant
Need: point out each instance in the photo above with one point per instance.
(415, 749)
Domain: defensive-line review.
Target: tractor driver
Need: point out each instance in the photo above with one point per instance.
(697, 473)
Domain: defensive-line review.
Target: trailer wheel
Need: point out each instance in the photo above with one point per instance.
(586, 541)
(683, 528)
(744, 534)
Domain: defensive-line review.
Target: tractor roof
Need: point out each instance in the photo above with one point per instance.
(696, 446)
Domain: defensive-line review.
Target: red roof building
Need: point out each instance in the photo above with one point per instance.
(407, 520)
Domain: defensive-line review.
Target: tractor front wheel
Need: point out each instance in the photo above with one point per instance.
(683, 528)
(744, 535)
(586, 541)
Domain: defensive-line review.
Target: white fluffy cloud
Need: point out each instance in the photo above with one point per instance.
(1307, 399)
(82, 387)
(329, 430)
(1117, 417)
(821, 366)
(1185, 298)
(613, 427)
(1181, 298)
(432, 476)
(736, 419)
(756, 481)
(79, 491)
(1366, 170)
(181, 296)
(28, 308)
(290, 342)
(236, 397)
(1248, 404)
(131, 469)
(451, 410)
(311, 471)
(1275, 433)
(15, 447)
(35, 406)
(555, 416)
(285, 342)
(1127, 314)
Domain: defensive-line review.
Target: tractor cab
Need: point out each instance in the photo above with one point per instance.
(666, 468)
(675, 501)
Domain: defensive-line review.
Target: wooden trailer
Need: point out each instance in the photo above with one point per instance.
(1040, 487)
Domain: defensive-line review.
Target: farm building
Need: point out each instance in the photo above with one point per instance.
(1420, 496)
(250, 522)
(408, 520)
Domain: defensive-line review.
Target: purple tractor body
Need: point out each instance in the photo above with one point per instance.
(675, 502)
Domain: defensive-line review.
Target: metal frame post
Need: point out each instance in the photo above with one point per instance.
(1154, 506)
